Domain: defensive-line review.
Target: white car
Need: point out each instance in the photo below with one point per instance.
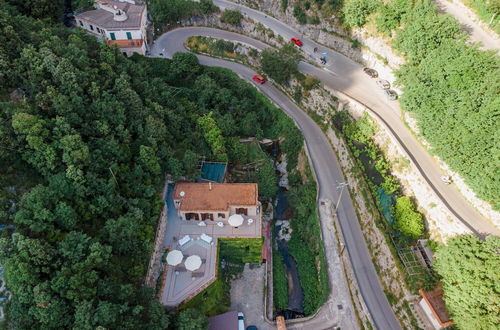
(446, 179)
(241, 321)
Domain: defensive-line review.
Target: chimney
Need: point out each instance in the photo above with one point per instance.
(209, 185)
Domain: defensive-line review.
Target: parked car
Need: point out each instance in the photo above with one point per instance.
(372, 73)
(296, 41)
(252, 327)
(259, 79)
(446, 179)
(241, 321)
(384, 84)
(391, 95)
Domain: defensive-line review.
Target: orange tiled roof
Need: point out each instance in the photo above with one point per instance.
(133, 43)
(199, 196)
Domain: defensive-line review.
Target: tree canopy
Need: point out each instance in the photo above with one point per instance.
(280, 64)
(85, 151)
(191, 319)
(470, 271)
(408, 221)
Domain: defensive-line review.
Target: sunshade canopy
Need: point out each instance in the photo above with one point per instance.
(193, 262)
(174, 257)
(235, 220)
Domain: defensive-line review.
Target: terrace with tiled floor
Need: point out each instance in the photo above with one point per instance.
(181, 285)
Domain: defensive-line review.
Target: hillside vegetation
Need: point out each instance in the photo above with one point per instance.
(450, 86)
(470, 273)
(83, 156)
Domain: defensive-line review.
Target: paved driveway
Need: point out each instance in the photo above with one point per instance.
(247, 296)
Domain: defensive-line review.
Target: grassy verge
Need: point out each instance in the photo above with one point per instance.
(306, 245)
(280, 284)
(219, 48)
(374, 168)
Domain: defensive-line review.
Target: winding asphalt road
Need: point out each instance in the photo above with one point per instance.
(326, 168)
(345, 75)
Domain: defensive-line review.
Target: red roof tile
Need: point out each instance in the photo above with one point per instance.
(206, 196)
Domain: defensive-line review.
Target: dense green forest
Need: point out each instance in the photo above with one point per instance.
(470, 270)
(84, 153)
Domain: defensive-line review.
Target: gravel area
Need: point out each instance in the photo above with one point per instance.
(247, 296)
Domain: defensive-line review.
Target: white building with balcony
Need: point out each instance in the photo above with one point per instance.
(122, 23)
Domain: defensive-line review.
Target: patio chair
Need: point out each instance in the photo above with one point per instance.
(203, 260)
(184, 240)
(180, 268)
(198, 274)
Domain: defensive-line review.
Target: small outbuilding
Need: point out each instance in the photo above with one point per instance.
(433, 305)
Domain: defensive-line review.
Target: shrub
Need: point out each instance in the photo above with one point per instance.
(355, 12)
(266, 178)
(280, 64)
(221, 46)
(284, 5)
(232, 17)
(390, 15)
(299, 14)
(170, 11)
(314, 20)
(192, 319)
(306, 247)
(280, 284)
(408, 221)
(310, 83)
(297, 94)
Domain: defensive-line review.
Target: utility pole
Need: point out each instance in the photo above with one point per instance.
(340, 186)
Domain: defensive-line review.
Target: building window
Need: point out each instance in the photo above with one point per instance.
(192, 216)
(81, 23)
(242, 210)
(112, 35)
(91, 27)
(221, 215)
(129, 36)
(207, 216)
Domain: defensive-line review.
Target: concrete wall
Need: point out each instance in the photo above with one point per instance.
(251, 211)
(182, 214)
(122, 34)
(429, 314)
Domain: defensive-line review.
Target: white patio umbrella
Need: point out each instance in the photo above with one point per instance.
(193, 262)
(174, 257)
(235, 220)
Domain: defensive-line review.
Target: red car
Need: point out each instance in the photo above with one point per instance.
(297, 41)
(259, 79)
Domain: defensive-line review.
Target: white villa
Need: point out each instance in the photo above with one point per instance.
(118, 22)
